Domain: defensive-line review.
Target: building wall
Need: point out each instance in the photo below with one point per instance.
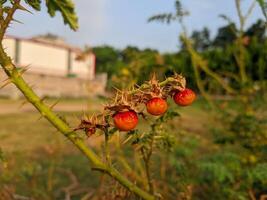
(49, 70)
(57, 86)
(49, 59)
(44, 59)
(80, 67)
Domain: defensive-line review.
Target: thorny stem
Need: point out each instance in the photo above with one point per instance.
(200, 62)
(125, 164)
(5, 22)
(147, 157)
(16, 78)
(240, 16)
(106, 148)
(146, 86)
(240, 57)
(61, 126)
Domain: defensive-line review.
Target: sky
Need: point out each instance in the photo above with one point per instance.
(120, 23)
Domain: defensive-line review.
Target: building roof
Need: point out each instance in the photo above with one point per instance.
(49, 40)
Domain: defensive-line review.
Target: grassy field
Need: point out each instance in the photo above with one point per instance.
(41, 163)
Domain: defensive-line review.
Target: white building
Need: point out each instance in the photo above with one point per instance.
(50, 55)
(55, 68)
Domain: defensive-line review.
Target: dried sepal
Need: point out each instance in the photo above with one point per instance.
(176, 83)
(152, 90)
(122, 101)
(133, 100)
(90, 125)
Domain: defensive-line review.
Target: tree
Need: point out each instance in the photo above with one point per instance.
(226, 35)
(201, 39)
(258, 30)
(107, 59)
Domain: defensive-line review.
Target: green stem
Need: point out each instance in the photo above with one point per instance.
(62, 127)
(146, 158)
(5, 22)
(106, 148)
(146, 86)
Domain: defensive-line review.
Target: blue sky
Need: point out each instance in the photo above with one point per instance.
(124, 22)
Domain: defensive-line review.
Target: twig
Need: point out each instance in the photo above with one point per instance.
(240, 15)
(263, 197)
(106, 148)
(64, 128)
(251, 194)
(8, 18)
(146, 158)
(249, 12)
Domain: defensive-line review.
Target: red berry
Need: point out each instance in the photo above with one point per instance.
(125, 121)
(156, 106)
(185, 97)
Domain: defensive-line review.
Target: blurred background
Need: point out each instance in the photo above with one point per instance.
(215, 149)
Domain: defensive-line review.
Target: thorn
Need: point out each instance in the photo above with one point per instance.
(43, 99)
(117, 89)
(85, 116)
(23, 71)
(127, 139)
(39, 118)
(5, 84)
(6, 79)
(20, 7)
(23, 103)
(32, 86)
(15, 20)
(54, 104)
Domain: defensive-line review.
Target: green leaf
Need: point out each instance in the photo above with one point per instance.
(2, 2)
(168, 116)
(35, 4)
(66, 8)
(164, 18)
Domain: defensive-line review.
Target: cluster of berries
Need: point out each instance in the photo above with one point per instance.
(127, 105)
(128, 120)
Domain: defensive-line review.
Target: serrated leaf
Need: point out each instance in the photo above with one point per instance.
(164, 18)
(2, 2)
(35, 4)
(66, 8)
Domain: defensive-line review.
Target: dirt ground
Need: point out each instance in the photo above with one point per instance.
(20, 106)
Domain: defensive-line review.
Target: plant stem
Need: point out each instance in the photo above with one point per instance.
(16, 78)
(146, 157)
(5, 22)
(107, 151)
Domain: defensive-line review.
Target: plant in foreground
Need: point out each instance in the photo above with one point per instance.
(127, 105)
(122, 115)
(129, 102)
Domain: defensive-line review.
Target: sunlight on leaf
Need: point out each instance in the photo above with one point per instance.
(66, 8)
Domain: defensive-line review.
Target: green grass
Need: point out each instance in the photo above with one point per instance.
(40, 161)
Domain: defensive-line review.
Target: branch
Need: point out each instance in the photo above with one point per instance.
(240, 15)
(64, 128)
(204, 66)
(146, 158)
(249, 12)
(8, 19)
